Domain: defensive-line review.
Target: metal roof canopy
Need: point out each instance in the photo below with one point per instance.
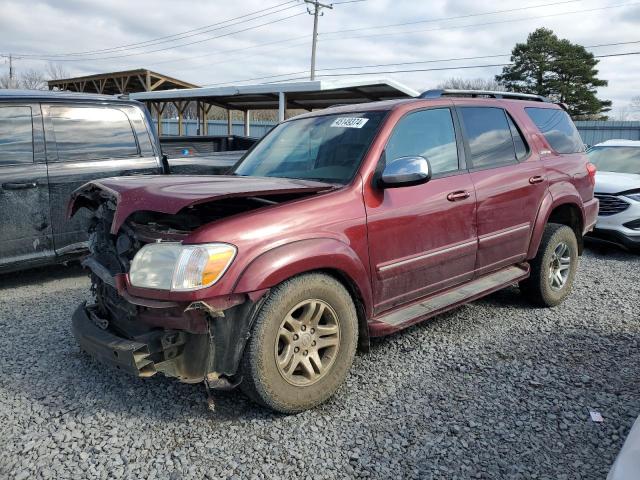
(307, 95)
(118, 83)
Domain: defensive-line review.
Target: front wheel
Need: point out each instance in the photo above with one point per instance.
(302, 344)
(554, 268)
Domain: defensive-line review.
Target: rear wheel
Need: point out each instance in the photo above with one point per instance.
(554, 268)
(302, 344)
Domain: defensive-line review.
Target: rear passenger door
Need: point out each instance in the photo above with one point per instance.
(510, 185)
(25, 226)
(87, 142)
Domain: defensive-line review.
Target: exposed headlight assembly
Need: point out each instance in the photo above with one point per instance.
(179, 268)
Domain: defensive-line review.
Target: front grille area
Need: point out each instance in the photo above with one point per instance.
(610, 204)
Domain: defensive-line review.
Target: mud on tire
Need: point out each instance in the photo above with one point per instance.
(554, 268)
(311, 315)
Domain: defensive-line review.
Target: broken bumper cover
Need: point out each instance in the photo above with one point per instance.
(104, 346)
(173, 353)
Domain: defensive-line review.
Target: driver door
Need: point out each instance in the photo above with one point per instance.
(423, 238)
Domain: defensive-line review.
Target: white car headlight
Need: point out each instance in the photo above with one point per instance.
(177, 267)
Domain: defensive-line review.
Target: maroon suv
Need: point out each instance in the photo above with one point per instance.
(339, 225)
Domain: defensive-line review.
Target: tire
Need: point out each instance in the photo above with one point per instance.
(282, 386)
(541, 288)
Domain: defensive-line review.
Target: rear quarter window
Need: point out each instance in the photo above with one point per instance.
(91, 133)
(16, 135)
(558, 128)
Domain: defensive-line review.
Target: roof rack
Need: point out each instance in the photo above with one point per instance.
(483, 93)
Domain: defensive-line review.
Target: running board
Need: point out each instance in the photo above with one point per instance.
(448, 299)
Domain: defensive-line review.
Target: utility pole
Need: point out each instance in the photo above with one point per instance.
(10, 71)
(317, 6)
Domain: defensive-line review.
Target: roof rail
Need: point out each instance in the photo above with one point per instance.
(483, 93)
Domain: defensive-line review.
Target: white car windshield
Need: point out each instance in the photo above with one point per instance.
(327, 148)
(616, 159)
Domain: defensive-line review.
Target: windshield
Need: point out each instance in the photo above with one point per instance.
(616, 159)
(328, 148)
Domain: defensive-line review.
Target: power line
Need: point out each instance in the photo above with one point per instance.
(321, 34)
(497, 22)
(177, 36)
(176, 46)
(443, 19)
(416, 63)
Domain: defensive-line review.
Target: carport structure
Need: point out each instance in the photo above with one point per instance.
(118, 83)
(306, 95)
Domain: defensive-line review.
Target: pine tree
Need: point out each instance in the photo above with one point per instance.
(558, 69)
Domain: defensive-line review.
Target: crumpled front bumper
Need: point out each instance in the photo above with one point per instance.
(171, 352)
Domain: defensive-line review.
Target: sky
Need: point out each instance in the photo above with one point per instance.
(252, 41)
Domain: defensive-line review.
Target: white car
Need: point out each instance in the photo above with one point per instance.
(618, 189)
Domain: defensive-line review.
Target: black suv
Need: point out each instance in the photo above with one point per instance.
(50, 144)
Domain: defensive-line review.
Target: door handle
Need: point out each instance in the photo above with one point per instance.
(19, 186)
(459, 195)
(536, 179)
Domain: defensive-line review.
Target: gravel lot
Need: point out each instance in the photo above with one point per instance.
(495, 389)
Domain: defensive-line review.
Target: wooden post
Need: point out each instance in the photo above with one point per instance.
(229, 123)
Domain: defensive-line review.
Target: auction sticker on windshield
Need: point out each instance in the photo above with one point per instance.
(349, 122)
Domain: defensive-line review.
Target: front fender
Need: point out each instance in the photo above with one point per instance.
(277, 265)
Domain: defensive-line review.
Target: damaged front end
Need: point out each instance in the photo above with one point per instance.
(191, 340)
(192, 332)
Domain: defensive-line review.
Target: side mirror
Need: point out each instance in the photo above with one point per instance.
(405, 172)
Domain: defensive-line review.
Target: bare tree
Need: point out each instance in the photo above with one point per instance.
(6, 82)
(55, 71)
(33, 80)
(472, 84)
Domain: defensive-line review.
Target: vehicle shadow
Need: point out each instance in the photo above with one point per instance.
(37, 275)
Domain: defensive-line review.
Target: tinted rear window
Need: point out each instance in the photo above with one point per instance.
(557, 128)
(489, 136)
(16, 135)
(89, 133)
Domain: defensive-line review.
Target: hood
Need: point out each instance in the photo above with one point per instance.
(171, 193)
(611, 182)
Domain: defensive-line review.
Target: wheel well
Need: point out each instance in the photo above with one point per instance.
(354, 291)
(569, 215)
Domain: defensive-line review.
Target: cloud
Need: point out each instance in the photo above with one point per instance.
(63, 26)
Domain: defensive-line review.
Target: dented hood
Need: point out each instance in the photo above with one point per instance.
(171, 193)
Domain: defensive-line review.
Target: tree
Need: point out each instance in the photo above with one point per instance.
(556, 68)
(472, 84)
(33, 80)
(55, 71)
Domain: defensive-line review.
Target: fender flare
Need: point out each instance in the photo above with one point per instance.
(278, 264)
(548, 205)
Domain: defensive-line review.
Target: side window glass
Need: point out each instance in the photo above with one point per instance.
(557, 128)
(90, 133)
(426, 133)
(488, 135)
(139, 124)
(522, 150)
(16, 135)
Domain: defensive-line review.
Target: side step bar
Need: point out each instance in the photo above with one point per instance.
(421, 310)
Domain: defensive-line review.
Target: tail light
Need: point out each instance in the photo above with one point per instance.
(591, 170)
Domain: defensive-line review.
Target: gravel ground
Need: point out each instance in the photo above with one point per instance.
(495, 389)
